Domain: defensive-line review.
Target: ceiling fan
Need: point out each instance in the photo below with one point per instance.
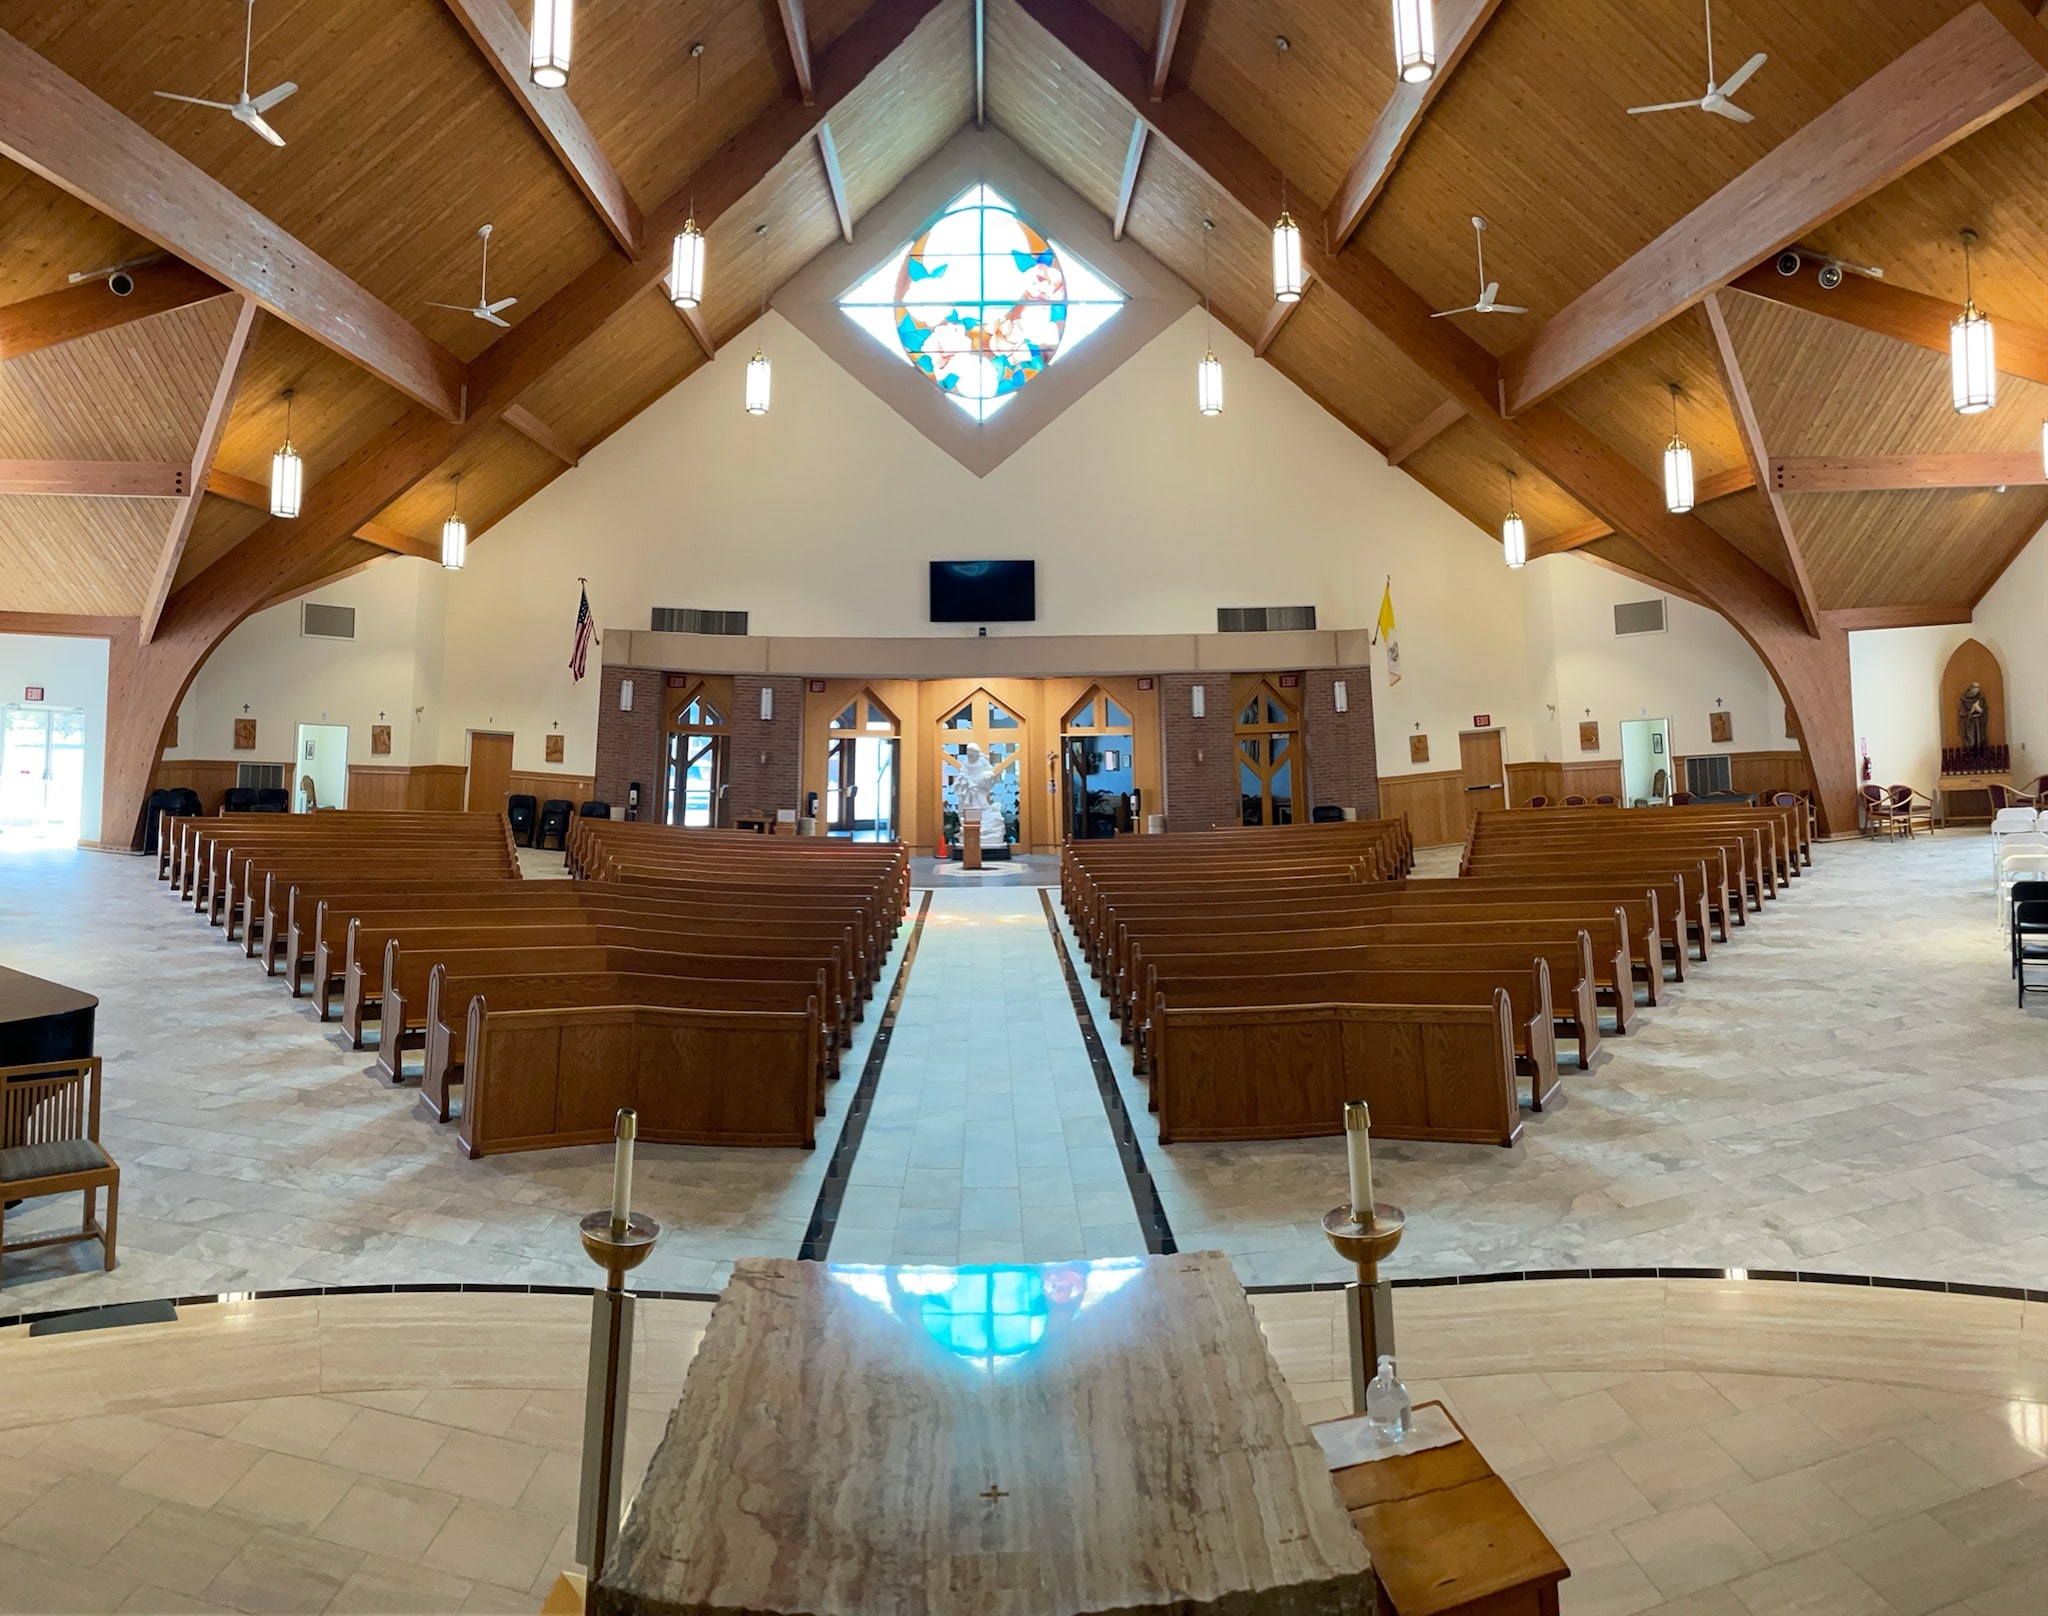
(485, 309)
(1716, 99)
(246, 110)
(1488, 290)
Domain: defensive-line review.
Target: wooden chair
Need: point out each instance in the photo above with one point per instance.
(1576, 801)
(50, 1145)
(1914, 810)
(1539, 801)
(1878, 818)
(2003, 796)
(1606, 799)
(1680, 799)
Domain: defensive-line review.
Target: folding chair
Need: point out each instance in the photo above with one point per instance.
(2028, 933)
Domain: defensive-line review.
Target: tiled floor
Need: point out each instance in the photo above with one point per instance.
(1691, 1446)
(1847, 1087)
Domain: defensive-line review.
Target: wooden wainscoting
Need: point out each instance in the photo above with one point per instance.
(577, 788)
(378, 786)
(1763, 772)
(1589, 780)
(1434, 803)
(212, 778)
(436, 788)
(1526, 780)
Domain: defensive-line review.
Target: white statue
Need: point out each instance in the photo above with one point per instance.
(974, 783)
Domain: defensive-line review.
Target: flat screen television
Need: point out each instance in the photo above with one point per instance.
(984, 591)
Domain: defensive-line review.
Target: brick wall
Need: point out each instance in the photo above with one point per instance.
(629, 744)
(1201, 793)
(765, 763)
(1343, 767)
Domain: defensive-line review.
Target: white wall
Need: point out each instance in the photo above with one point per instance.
(2008, 621)
(1679, 674)
(1895, 693)
(288, 679)
(73, 673)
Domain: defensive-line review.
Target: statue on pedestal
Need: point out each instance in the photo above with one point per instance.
(974, 784)
(1973, 718)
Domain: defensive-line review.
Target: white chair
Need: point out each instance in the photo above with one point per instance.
(2008, 823)
(2026, 861)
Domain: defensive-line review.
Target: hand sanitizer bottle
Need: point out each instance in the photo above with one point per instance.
(1388, 1409)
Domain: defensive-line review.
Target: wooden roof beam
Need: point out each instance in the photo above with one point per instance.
(1974, 69)
(247, 491)
(1277, 317)
(1906, 316)
(240, 341)
(1852, 618)
(531, 427)
(798, 33)
(97, 479)
(1172, 13)
(65, 625)
(1747, 427)
(505, 44)
(1843, 474)
(835, 181)
(1127, 187)
(1426, 431)
(1715, 485)
(56, 127)
(1459, 24)
(79, 311)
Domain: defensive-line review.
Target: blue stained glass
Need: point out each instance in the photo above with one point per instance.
(981, 302)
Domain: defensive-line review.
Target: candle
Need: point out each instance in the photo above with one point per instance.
(1358, 1152)
(622, 1169)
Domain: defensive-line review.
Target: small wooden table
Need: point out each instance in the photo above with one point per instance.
(1011, 1440)
(1448, 1537)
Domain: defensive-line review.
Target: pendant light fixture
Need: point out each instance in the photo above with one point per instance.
(1415, 40)
(1514, 537)
(1677, 466)
(686, 265)
(1208, 369)
(1287, 276)
(554, 21)
(1972, 355)
(454, 531)
(757, 367)
(287, 470)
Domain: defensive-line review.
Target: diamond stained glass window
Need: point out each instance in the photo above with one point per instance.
(981, 303)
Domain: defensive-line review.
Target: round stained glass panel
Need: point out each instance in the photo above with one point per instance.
(981, 301)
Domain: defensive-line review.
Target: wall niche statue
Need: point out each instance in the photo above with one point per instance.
(1973, 713)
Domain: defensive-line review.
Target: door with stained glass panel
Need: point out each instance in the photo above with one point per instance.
(983, 721)
(1269, 775)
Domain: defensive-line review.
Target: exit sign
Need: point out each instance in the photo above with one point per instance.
(32, 693)
(1482, 721)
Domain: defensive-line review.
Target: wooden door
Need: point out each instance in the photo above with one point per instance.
(1482, 770)
(490, 772)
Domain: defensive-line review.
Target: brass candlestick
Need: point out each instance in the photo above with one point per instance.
(1368, 1300)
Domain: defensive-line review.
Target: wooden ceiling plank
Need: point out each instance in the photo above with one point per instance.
(1127, 187)
(1852, 618)
(2020, 533)
(835, 181)
(1459, 23)
(97, 479)
(1839, 474)
(1172, 13)
(504, 43)
(531, 427)
(1894, 311)
(397, 542)
(247, 491)
(57, 128)
(1967, 73)
(1715, 485)
(80, 311)
(1736, 387)
(797, 32)
(1427, 430)
(211, 431)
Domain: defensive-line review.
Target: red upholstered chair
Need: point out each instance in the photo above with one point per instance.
(1914, 810)
(1606, 799)
(1680, 798)
(1878, 818)
(2003, 796)
(1575, 802)
(1539, 802)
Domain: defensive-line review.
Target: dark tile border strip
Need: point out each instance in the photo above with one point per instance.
(831, 1193)
(2006, 1293)
(1144, 1193)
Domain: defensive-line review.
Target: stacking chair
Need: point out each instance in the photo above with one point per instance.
(1878, 818)
(238, 800)
(2027, 931)
(2007, 824)
(520, 808)
(596, 808)
(1912, 809)
(50, 1145)
(554, 822)
(2018, 862)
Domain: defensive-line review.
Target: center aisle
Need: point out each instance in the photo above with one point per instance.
(987, 1141)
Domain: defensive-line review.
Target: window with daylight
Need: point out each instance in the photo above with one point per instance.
(981, 302)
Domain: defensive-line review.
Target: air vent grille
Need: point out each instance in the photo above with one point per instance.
(1639, 617)
(692, 620)
(259, 776)
(1263, 619)
(327, 622)
(1708, 773)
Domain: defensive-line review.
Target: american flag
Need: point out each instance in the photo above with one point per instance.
(586, 635)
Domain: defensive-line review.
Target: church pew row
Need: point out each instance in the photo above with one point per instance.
(1790, 830)
(543, 1078)
(1733, 857)
(178, 834)
(1442, 1073)
(239, 909)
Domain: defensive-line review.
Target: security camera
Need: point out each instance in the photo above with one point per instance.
(120, 283)
(1830, 276)
(1788, 262)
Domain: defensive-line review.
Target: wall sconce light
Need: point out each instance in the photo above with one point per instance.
(625, 695)
(1340, 694)
(1198, 703)
(767, 709)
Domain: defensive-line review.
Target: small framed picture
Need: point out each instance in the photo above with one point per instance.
(1418, 749)
(1721, 726)
(554, 748)
(380, 740)
(1144, 684)
(245, 735)
(1657, 742)
(1589, 735)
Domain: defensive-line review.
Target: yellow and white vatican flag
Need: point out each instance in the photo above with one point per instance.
(1383, 634)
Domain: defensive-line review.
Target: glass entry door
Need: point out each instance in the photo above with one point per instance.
(42, 775)
(696, 779)
(1100, 777)
(861, 790)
